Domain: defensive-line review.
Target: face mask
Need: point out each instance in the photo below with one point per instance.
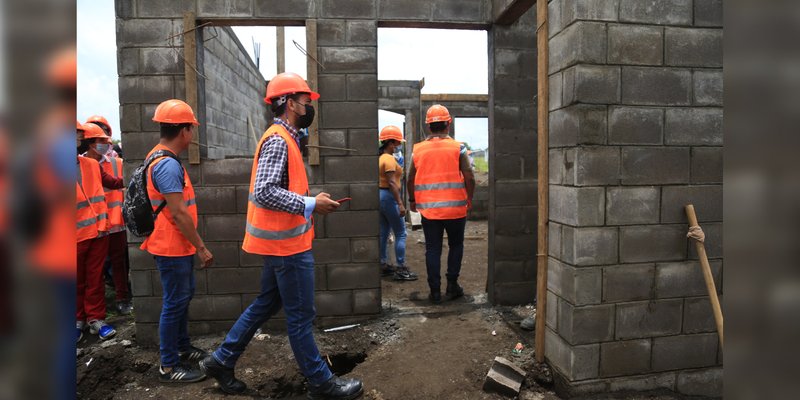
(304, 121)
(102, 148)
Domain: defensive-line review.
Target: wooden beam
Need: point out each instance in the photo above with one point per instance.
(513, 11)
(543, 183)
(280, 39)
(190, 73)
(312, 71)
(455, 97)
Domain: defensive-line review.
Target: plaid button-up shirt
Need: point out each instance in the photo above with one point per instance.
(271, 188)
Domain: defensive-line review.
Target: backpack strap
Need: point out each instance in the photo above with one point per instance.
(153, 157)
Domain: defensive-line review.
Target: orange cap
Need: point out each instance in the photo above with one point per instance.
(437, 113)
(391, 132)
(79, 126)
(92, 131)
(175, 111)
(287, 83)
(99, 119)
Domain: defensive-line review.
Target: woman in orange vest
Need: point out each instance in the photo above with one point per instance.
(440, 186)
(280, 228)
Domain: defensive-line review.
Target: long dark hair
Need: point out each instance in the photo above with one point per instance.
(384, 143)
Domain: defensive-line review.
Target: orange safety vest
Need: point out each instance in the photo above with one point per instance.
(92, 212)
(114, 197)
(166, 239)
(439, 185)
(272, 232)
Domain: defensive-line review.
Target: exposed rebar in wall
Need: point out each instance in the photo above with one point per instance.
(543, 100)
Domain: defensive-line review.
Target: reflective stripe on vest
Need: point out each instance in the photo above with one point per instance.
(441, 204)
(434, 186)
(279, 235)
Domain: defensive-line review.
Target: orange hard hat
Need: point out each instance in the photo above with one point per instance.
(62, 68)
(437, 113)
(391, 132)
(287, 83)
(99, 119)
(175, 111)
(92, 131)
(79, 126)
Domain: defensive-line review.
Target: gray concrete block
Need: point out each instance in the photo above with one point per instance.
(145, 89)
(698, 317)
(461, 10)
(352, 224)
(578, 124)
(515, 193)
(128, 61)
(652, 243)
(363, 141)
(353, 276)
(630, 357)
(367, 301)
(165, 9)
(597, 166)
(693, 126)
(515, 220)
(599, 84)
(590, 246)
(516, 247)
(577, 206)
(693, 47)
(147, 335)
(351, 169)
(635, 45)
(514, 63)
(663, 12)
(685, 351)
(365, 197)
(656, 86)
(552, 311)
(242, 198)
(364, 250)
(707, 201)
(513, 294)
(504, 377)
(349, 115)
(331, 32)
(509, 271)
(334, 303)
(651, 165)
(161, 60)
(683, 279)
(226, 254)
(148, 32)
(250, 260)
(332, 87)
(234, 280)
(708, 13)
(349, 59)
(578, 286)
(348, 8)
(632, 205)
(412, 9)
(581, 42)
(234, 171)
(649, 318)
(575, 362)
(587, 324)
(707, 88)
(362, 87)
(642, 383)
(141, 283)
(518, 90)
(129, 118)
(333, 138)
(713, 243)
(707, 382)
(148, 309)
(628, 282)
(515, 117)
(211, 308)
(215, 200)
(555, 84)
(224, 227)
(327, 251)
(635, 125)
(554, 239)
(555, 22)
(139, 260)
(362, 33)
(224, 8)
(598, 10)
(300, 9)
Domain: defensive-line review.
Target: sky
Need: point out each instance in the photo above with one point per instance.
(451, 61)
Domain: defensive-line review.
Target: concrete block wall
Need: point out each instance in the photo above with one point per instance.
(512, 161)
(635, 134)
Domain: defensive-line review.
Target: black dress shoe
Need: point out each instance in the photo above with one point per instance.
(453, 291)
(435, 297)
(224, 376)
(338, 389)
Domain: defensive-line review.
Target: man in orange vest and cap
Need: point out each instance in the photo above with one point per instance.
(280, 228)
(440, 186)
(175, 241)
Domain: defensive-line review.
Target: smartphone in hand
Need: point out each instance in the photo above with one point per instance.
(342, 200)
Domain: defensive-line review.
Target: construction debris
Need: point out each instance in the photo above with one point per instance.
(504, 377)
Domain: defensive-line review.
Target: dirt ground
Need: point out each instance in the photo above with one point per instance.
(415, 350)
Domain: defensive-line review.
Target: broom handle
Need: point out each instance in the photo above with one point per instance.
(712, 288)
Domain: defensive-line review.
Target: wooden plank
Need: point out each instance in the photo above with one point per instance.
(311, 49)
(543, 178)
(513, 11)
(455, 97)
(280, 39)
(190, 59)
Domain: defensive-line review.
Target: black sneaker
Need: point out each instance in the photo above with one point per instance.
(404, 274)
(124, 307)
(224, 376)
(453, 291)
(193, 355)
(337, 388)
(435, 297)
(387, 270)
(180, 374)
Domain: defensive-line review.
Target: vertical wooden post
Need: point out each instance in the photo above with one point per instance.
(707, 276)
(190, 61)
(311, 49)
(543, 177)
(280, 41)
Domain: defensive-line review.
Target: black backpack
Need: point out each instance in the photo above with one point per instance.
(136, 209)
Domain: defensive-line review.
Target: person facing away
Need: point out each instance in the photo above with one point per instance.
(440, 186)
(392, 209)
(280, 228)
(175, 241)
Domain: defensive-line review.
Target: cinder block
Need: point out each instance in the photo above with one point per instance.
(630, 357)
(348, 8)
(128, 61)
(575, 362)
(515, 293)
(635, 45)
(212, 308)
(515, 89)
(215, 200)
(599, 84)
(555, 84)
(648, 318)
(632, 205)
(587, 324)
(652, 243)
(234, 171)
(327, 251)
(554, 239)
(250, 260)
(693, 47)
(516, 247)
(351, 169)
(352, 224)
(282, 9)
(598, 10)
(515, 63)
(234, 280)
(365, 196)
(581, 42)
(685, 351)
(655, 165)
(333, 138)
(515, 220)
(590, 246)
(367, 301)
(656, 86)
(353, 276)
(169, 9)
(579, 286)
(147, 33)
(229, 227)
(515, 193)
(578, 124)
(597, 166)
(226, 254)
(708, 88)
(708, 13)
(349, 115)
(363, 141)
(698, 316)
(713, 243)
(331, 32)
(332, 87)
(707, 201)
(362, 87)
(139, 260)
(225, 8)
(635, 125)
(504, 377)
(141, 283)
(406, 10)
(693, 126)
(515, 117)
(577, 206)
(555, 22)
(509, 271)
(242, 198)
(642, 383)
(160, 60)
(552, 311)
(362, 33)
(663, 12)
(146, 334)
(683, 279)
(628, 282)
(364, 250)
(145, 88)
(707, 382)
(333, 303)
(349, 59)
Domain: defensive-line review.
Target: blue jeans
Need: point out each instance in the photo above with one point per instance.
(391, 219)
(177, 280)
(288, 280)
(434, 235)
